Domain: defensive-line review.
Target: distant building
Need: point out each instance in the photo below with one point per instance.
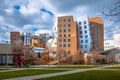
(108, 44)
(67, 34)
(5, 49)
(97, 33)
(26, 38)
(14, 36)
(85, 37)
(117, 40)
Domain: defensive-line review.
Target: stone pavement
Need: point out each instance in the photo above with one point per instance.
(54, 74)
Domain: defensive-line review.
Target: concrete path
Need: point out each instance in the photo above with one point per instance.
(54, 74)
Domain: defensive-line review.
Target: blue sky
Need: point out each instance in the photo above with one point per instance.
(40, 16)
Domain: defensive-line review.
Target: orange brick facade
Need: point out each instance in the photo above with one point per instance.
(97, 33)
(67, 34)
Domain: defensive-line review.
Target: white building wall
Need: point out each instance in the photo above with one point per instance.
(85, 38)
(108, 44)
(26, 37)
(117, 40)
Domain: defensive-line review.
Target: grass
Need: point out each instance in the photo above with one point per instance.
(22, 73)
(89, 75)
(76, 66)
(114, 67)
(3, 69)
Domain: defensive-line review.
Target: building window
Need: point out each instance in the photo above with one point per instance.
(60, 35)
(84, 22)
(86, 36)
(85, 31)
(81, 41)
(92, 25)
(80, 32)
(97, 42)
(61, 30)
(81, 46)
(86, 41)
(64, 25)
(81, 36)
(64, 30)
(68, 40)
(69, 30)
(60, 25)
(85, 27)
(60, 45)
(68, 45)
(69, 25)
(60, 40)
(80, 27)
(64, 20)
(79, 23)
(64, 35)
(96, 24)
(60, 20)
(96, 28)
(85, 46)
(64, 40)
(69, 35)
(64, 45)
(97, 47)
(69, 20)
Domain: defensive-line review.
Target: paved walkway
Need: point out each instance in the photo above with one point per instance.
(54, 74)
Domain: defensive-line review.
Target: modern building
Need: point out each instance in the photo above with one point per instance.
(67, 34)
(117, 40)
(108, 44)
(97, 33)
(85, 37)
(5, 49)
(35, 41)
(44, 37)
(26, 38)
(14, 36)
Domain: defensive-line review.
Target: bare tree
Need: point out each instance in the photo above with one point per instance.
(113, 11)
(64, 57)
(78, 57)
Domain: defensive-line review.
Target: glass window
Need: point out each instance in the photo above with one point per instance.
(81, 36)
(85, 46)
(60, 25)
(86, 41)
(81, 46)
(68, 40)
(69, 20)
(60, 45)
(85, 27)
(60, 35)
(64, 25)
(86, 36)
(79, 23)
(60, 40)
(69, 25)
(92, 25)
(80, 32)
(84, 22)
(97, 47)
(81, 41)
(69, 35)
(85, 31)
(64, 20)
(60, 20)
(61, 30)
(64, 35)
(96, 24)
(64, 30)
(64, 40)
(64, 45)
(68, 45)
(69, 30)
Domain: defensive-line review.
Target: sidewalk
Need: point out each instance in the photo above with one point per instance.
(54, 74)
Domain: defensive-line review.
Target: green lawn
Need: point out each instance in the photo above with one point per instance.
(76, 66)
(22, 73)
(89, 75)
(114, 67)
